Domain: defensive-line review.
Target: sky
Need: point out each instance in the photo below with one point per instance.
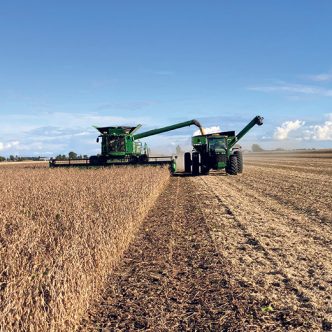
(68, 65)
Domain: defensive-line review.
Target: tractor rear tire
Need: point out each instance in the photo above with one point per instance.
(239, 156)
(187, 162)
(232, 165)
(195, 168)
(204, 170)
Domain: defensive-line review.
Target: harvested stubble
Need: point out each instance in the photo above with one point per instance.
(61, 233)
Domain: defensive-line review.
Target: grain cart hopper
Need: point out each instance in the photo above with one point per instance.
(218, 151)
(121, 146)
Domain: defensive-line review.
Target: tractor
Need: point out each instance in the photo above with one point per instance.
(218, 151)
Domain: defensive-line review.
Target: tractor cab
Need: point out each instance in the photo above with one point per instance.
(217, 143)
(216, 153)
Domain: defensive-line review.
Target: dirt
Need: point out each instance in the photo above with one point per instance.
(230, 253)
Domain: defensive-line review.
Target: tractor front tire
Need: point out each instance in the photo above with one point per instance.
(187, 162)
(232, 168)
(195, 168)
(239, 156)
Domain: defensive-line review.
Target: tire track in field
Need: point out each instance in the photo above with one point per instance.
(277, 265)
(273, 193)
(309, 195)
(293, 166)
(172, 277)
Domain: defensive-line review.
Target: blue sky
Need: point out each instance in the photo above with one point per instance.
(68, 65)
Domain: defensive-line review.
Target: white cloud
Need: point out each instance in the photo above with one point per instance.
(282, 132)
(294, 88)
(324, 77)
(8, 145)
(322, 132)
(312, 132)
(209, 130)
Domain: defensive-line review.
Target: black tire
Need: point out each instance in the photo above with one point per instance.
(187, 162)
(195, 164)
(205, 170)
(239, 156)
(143, 158)
(94, 160)
(205, 167)
(232, 165)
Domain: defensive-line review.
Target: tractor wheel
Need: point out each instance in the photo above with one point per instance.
(187, 162)
(205, 170)
(239, 156)
(195, 168)
(232, 165)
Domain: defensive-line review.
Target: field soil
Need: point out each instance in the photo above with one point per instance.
(230, 253)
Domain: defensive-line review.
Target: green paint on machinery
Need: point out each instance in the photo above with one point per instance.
(218, 151)
(122, 146)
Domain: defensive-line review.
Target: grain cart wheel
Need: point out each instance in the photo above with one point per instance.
(232, 165)
(195, 168)
(239, 156)
(187, 162)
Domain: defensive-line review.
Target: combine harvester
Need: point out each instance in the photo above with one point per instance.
(121, 146)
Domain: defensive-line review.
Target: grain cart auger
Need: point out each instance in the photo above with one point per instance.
(218, 151)
(121, 146)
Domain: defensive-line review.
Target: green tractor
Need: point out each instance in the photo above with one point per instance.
(122, 146)
(218, 151)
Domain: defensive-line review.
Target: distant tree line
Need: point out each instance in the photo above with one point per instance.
(71, 155)
(18, 158)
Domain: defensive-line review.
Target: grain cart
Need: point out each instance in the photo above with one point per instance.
(218, 151)
(122, 146)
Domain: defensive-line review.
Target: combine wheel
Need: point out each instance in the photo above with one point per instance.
(143, 158)
(187, 162)
(239, 156)
(232, 168)
(94, 161)
(195, 168)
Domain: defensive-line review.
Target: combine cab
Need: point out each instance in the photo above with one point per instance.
(218, 151)
(122, 146)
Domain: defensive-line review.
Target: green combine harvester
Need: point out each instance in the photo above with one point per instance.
(218, 151)
(122, 146)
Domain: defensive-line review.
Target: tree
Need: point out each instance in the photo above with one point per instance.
(11, 158)
(72, 155)
(61, 157)
(2, 158)
(256, 148)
